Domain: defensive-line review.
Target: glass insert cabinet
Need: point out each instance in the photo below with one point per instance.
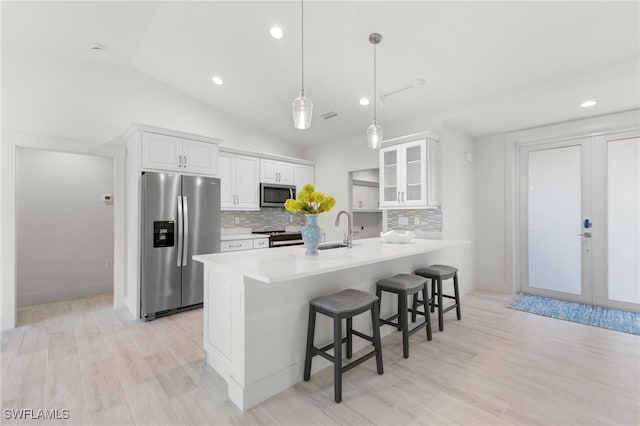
(409, 171)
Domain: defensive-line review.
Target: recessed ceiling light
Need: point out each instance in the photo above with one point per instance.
(364, 101)
(276, 32)
(589, 103)
(217, 80)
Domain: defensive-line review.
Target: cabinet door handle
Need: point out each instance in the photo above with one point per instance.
(179, 160)
(185, 161)
(403, 196)
(398, 196)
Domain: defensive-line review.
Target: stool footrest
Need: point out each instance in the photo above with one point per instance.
(358, 361)
(362, 336)
(448, 308)
(330, 345)
(315, 351)
(417, 328)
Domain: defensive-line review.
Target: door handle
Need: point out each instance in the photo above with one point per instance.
(179, 233)
(185, 161)
(585, 234)
(179, 160)
(185, 256)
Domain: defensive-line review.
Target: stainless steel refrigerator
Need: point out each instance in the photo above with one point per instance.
(180, 219)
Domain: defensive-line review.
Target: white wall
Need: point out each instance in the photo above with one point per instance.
(78, 107)
(496, 195)
(64, 231)
(457, 201)
(489, 181)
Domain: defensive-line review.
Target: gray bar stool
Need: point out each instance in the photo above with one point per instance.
(405, 285)
(343, 304)
(437, 273)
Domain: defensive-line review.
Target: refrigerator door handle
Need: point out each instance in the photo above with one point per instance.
(179, 232)
(185, 256)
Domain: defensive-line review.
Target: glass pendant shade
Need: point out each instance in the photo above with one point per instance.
(374, 131)
(302, 109)
(374, 135)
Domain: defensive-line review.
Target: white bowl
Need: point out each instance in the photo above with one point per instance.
(396, 237)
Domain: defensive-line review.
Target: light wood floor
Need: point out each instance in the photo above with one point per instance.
(496, 366)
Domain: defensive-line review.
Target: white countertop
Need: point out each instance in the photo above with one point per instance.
(289, 263)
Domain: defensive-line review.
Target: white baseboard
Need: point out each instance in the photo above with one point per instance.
(61, 294)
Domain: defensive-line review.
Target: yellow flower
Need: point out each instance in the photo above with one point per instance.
(292, 205)
(310, 201)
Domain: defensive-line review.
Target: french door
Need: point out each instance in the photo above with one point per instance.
(580, 220)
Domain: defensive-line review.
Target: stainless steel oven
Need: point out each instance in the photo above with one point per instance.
(273, 195)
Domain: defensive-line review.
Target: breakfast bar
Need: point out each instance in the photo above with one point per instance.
(256, 306)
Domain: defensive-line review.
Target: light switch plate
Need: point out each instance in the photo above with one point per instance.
(416, 220)
(403, 220)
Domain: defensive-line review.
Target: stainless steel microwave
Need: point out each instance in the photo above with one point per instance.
(273, 195)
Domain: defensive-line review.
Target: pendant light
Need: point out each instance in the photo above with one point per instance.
(302, 107)
(374, 132)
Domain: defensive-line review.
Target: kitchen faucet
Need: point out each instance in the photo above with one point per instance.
(348, 237)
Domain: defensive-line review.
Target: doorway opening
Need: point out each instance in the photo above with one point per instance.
(365, 203)
(64, 231)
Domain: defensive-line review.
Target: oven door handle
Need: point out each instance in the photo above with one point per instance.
(285, 243)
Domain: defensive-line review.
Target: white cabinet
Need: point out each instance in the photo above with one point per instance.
(239, 182)
(274, 171)
(365, 197)
(408, 173)
(246, 244)
(302, 174)
(171, 153)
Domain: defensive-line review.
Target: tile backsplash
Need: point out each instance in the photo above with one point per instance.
(429, 220)
(265, 219)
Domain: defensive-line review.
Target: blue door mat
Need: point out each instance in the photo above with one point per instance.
(613, 319)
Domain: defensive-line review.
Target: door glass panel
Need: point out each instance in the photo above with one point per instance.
(554, 219)
(413, 167)
(390, 175)
(623, 219)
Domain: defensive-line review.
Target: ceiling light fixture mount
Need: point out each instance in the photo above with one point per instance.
(374, 131)
(96, 46)
(302, 107)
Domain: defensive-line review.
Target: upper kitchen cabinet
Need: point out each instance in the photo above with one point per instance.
(365, 197)
(302, 174)
(409, 172)
(239, 180)
(166, 152)
(274, 171)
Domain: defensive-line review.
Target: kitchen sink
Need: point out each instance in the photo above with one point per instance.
(331, 246)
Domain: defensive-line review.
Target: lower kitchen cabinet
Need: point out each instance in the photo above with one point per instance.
(248, 244)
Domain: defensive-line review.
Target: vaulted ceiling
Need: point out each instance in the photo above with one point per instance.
(488, 66)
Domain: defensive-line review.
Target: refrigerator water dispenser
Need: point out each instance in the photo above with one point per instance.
(163, 233)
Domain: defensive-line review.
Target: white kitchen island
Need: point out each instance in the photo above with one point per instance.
(256, 306)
